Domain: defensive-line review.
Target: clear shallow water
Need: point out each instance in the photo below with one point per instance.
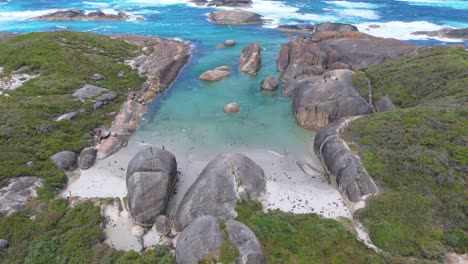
(190, 115)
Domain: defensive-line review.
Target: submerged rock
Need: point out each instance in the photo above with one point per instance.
(65, 160)
(231, 108)
(250, 60)
(151, 177)
(219, 187)
(202, 239)
(344, 168)
(235, 17)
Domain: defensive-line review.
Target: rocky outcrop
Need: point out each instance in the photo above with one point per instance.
(17, 192)
(250, 60)
(452, 33)
(151, 177)
(318, 101)
(215, 75)
(308, 28)
(235, 17)
(269, 83)
(320, 52)
(87, 158)
(77, 14)
(161, 67)
(230, 3)
(202, 240)
(216, 191)
(89, 91)
(65, 160)
(384, 104)
(343, 167)
(231, 108)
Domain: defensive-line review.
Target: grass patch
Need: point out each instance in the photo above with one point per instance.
(63, 234)
(65, 61)
(303, 238)
(418, 155)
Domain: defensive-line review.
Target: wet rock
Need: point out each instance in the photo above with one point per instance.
(344, 168)
(230, 3)
(229, 42)
(231, 108)
(4, 244)
(318, 103)
(65, 160)
(451, 33)
(269, 83)
(310, 28)
(203, 238)
(250, 60)
(17, 192)
(223, 68)
(87, 158)
(216, 191)
(162, 225)
(214, 75)
(235, 17)
(151, 177)
(384, 104)
(68, 116)
(77, 14)
(89, 91)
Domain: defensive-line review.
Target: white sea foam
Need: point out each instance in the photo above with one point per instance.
(348, 4)
(361, 13)
(23, 15)
(96, 4)
(402, 30)
(458, 4)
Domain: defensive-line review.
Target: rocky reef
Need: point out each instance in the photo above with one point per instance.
(235, 17)
(77, 14)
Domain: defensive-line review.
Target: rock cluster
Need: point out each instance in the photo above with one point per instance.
(216, 74)
(17, 192)
(452, 33)
(77, 14)
(312, 28)
(250, 60)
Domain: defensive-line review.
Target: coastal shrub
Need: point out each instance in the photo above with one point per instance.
(303, 238)
(418, 154)
(64, 61)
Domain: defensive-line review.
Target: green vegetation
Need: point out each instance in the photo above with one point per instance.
(63, 234)
(65, 62)
(303, 238)
(418, 156)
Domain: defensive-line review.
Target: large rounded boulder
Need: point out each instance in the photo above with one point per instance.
(318, 103)
(250, 60)
(235, 17)
(151, 177)
(65, 160)
(202, 240)
(224, 181)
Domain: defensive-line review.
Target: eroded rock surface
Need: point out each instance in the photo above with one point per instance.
(321, 100)
(216, 191)
(203, 237)
(250, 60)
(151, 177)
(344, 168)
(161, 67)
(18, 191)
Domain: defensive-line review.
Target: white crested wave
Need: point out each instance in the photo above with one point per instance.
(96, 4)
(23, 15)
(348, 4)
(401, 30)
(458, 4)
(361, 13)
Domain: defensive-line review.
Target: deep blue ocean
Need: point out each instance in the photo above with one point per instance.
(189, 116)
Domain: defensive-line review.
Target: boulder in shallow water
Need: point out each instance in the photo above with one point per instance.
(202, 239)
(229, 42)
(269, 83)
(235, 17)
(151, 177)
(65, 160)
(250, 60)
(219, 187)
(214, 75)
(231, 108)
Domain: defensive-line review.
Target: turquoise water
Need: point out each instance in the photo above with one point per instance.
(190, 116)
